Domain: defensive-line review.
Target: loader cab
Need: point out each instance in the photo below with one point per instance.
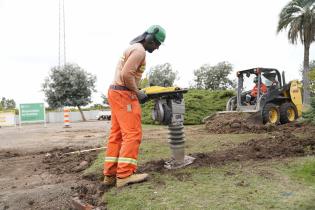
(280, 102)
(256, 77)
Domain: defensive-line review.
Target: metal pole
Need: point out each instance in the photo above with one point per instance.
(59, 34)
(64, 34)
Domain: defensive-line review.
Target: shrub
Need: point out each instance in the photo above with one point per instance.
(310, 115)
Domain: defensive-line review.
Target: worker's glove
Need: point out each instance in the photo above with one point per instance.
(142, 97)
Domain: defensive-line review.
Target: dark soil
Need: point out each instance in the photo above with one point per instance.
(35, 176)
(89, 189)
(282, 145)
(90, 194)
(248, 123)
(8, 154)
(56, 173)
(59, 162)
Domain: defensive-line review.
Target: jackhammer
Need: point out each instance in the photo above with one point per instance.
(169, 109)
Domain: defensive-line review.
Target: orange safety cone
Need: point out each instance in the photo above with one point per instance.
(66, 117)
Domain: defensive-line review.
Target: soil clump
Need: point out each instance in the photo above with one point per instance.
(240, 122)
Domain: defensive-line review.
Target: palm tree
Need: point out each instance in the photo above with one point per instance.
(299, 17)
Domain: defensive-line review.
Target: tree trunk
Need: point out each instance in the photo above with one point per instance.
(306, 82)
(82, 115)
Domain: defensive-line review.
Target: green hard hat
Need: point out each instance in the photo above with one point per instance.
(158, 32)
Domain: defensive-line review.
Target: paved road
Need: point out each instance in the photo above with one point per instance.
(35, 137)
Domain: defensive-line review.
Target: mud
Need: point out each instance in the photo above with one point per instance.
(239, 123)
(282, 145)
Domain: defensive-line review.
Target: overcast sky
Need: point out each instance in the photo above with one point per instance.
(198, 32)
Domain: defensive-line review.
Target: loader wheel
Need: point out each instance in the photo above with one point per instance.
(288, 113)
(271, 114)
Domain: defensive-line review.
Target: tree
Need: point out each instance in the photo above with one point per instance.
(312, 77)
(98, 107)
(162, 75)
(144, 83)
(299, 17)
(69, 85)
(214, 77)
(6, 104)
(105, 99)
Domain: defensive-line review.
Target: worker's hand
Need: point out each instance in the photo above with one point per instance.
(142, 97)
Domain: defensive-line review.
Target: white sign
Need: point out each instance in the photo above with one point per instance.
(7, 118)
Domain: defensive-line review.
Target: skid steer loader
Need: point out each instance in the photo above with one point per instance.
(281, 102)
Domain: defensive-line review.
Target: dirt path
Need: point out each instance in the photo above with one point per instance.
(34, 172)
(37, 138)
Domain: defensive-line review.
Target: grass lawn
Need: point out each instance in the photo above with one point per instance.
(270, 184)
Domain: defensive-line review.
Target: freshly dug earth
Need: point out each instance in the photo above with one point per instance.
(241, 122)
(281, 145)
(36, 171)
(47, 180)
(88, 190)
(62, 161)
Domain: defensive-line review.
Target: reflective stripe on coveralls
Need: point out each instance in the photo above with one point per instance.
(111, 159)
(125, 135)
(121, 160)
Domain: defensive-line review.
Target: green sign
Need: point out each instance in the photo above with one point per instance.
(34, 112)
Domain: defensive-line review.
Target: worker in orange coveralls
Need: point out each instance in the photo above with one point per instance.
(124, 98)
(253, 93)
(263, 88)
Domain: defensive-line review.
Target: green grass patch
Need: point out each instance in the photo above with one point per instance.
(269, 184)
(304, 171)
(96, 168)
(155, 144)
(229, 187)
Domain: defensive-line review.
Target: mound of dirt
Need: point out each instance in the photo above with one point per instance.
(282, 145)
(240, 122)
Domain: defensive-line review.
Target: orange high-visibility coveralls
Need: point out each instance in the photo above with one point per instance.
(126, 131)
(263, 89)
